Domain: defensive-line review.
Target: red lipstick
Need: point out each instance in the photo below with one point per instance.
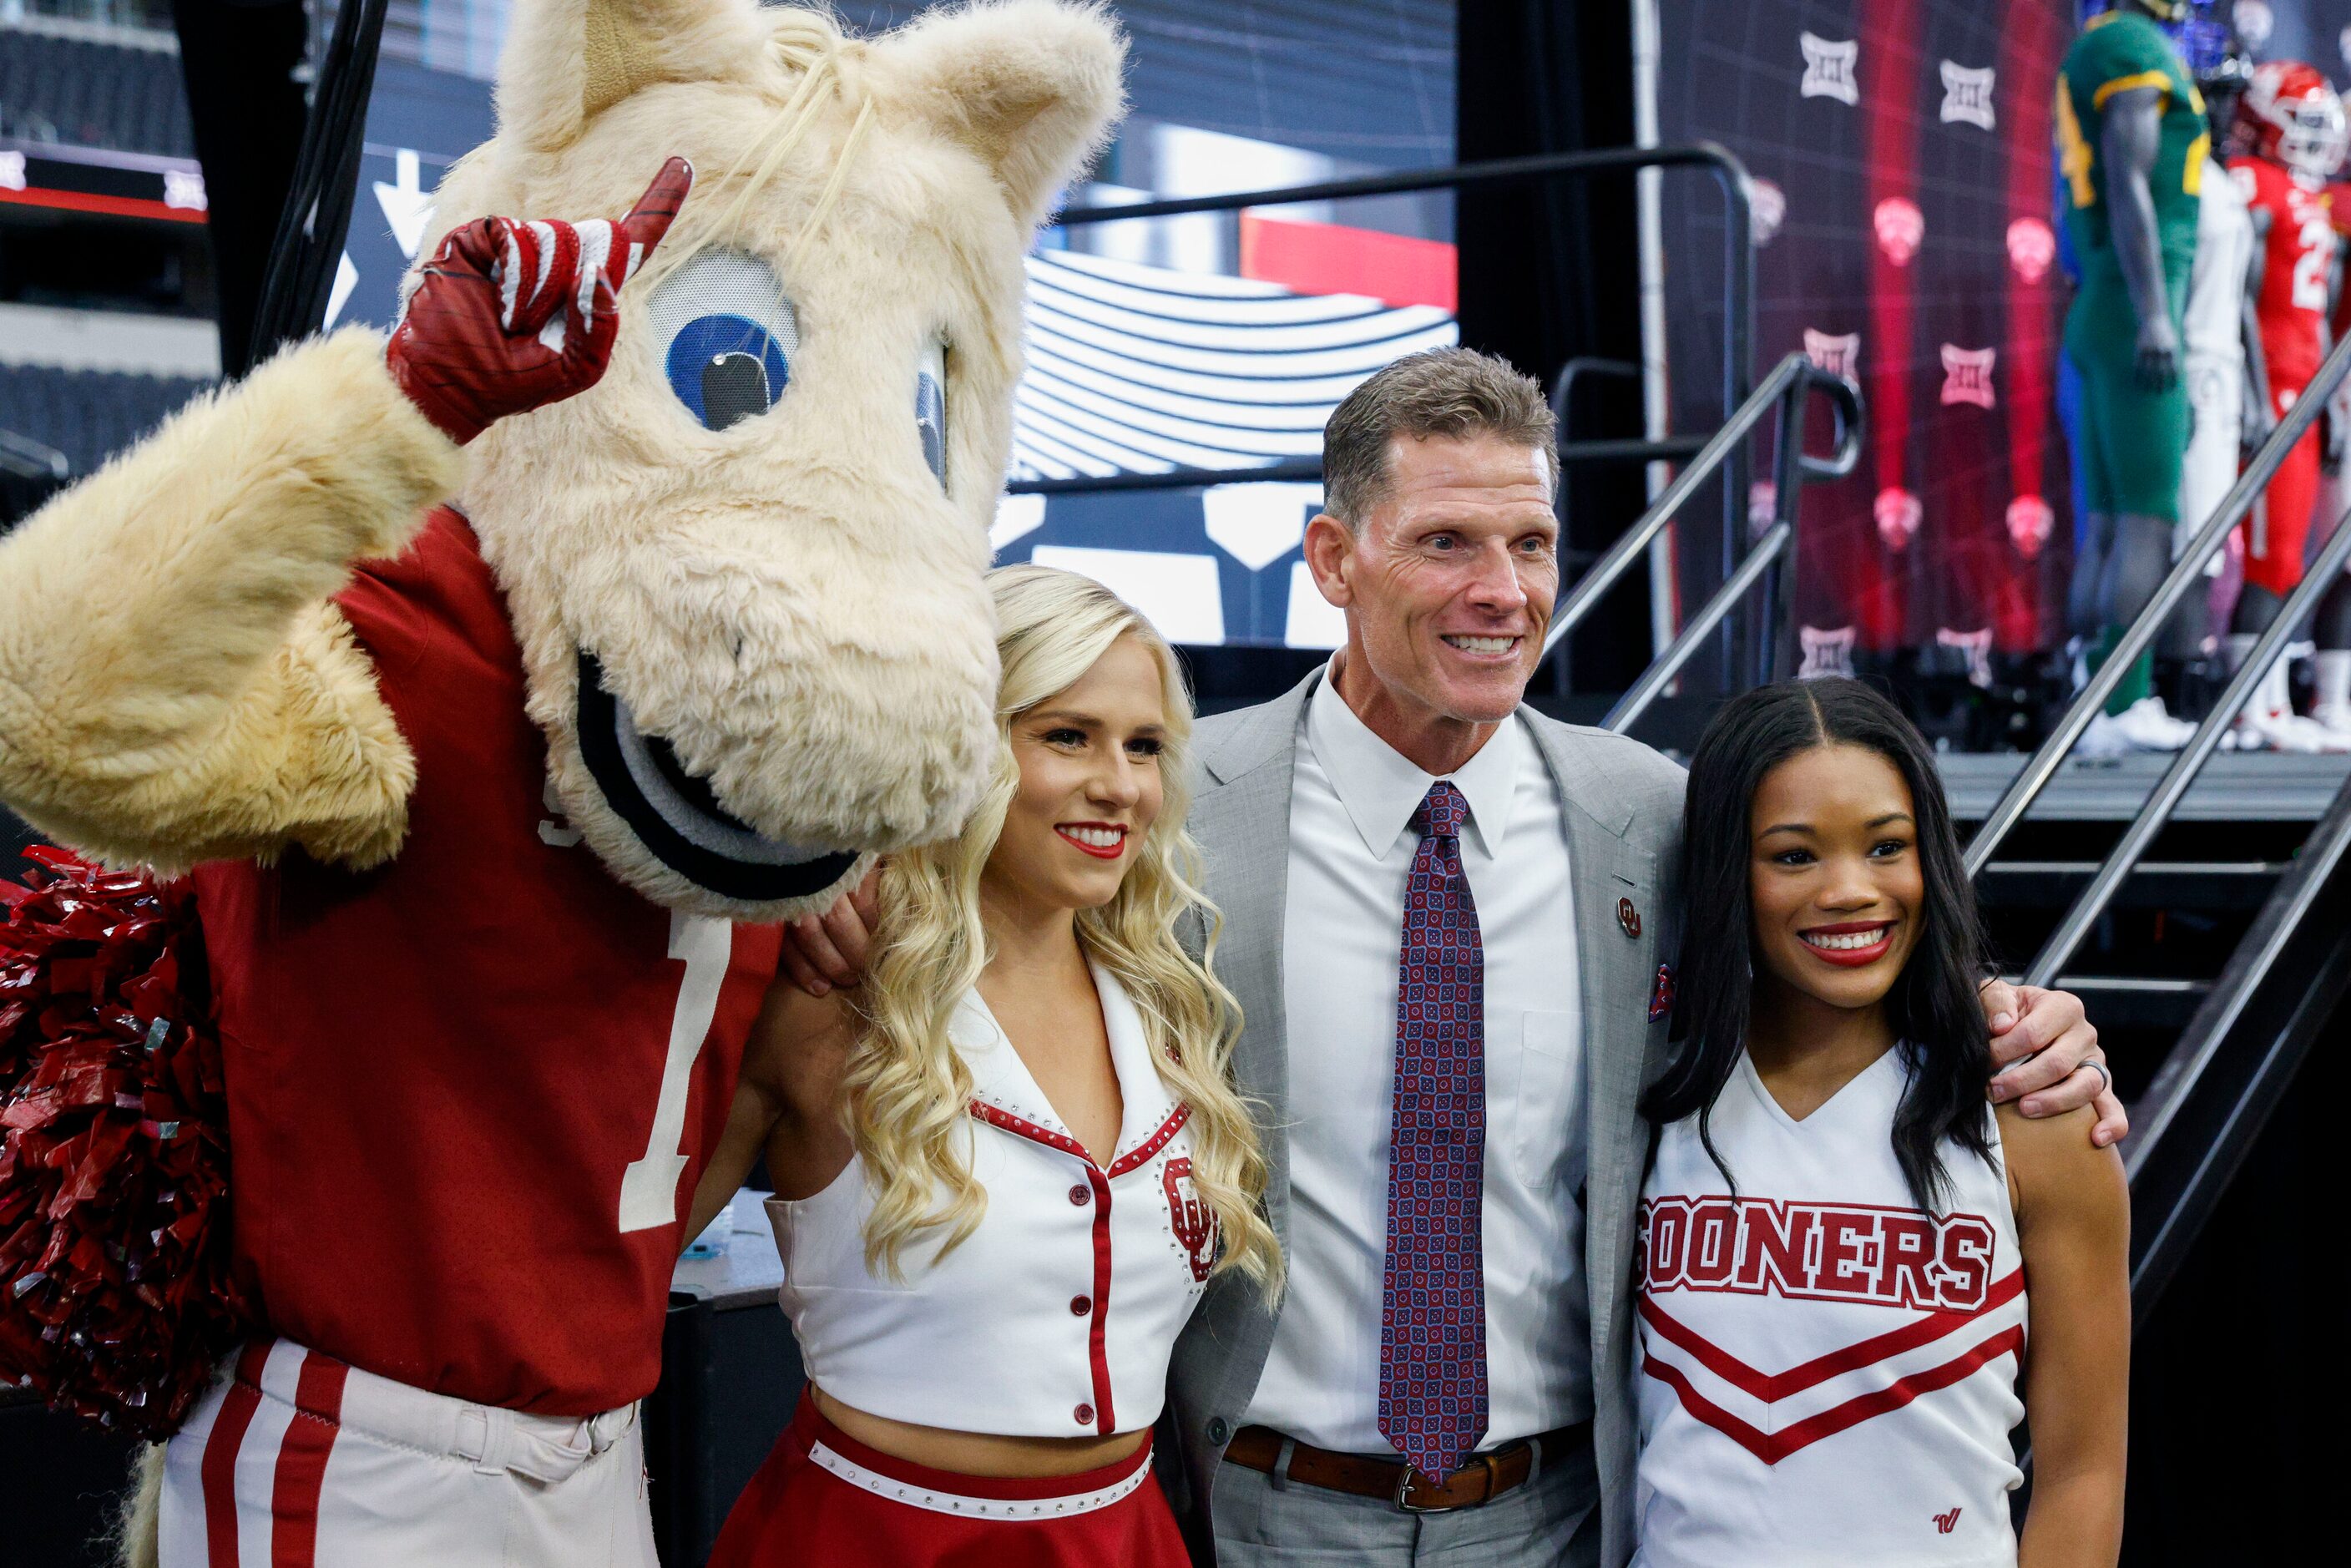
(1851, 957)
(1099, 853)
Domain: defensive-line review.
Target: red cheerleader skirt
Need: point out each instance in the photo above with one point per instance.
(823, 1499)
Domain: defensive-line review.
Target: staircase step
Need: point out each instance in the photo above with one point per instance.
(2257, 787)
(2131, 1001)
(2155, 884)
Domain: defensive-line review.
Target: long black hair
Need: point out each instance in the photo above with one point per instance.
(1933, 1007)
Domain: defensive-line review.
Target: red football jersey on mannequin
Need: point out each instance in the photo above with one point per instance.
(2295, 264)
(471, 1091)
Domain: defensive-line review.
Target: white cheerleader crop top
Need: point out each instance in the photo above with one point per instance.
(1828, 1372)
(1056, 1316)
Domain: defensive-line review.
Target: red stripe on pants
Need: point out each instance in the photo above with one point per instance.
(302, 1463)
(219, 1468)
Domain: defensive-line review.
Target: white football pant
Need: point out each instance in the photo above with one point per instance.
(294, 1460)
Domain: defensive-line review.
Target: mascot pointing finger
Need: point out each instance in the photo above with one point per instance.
(487, 694)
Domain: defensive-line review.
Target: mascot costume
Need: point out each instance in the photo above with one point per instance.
(486, 696)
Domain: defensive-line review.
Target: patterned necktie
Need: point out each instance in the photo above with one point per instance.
(1433, 1301)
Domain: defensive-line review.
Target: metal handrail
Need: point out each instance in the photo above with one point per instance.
(30, 459)
(2299, 889)
(1563, 385)
(1621, 556)
(1783, 389)
(1775, 552)
(1737, 291)
(1563, 411)
(1668, 665)
(2198, 1121)
(1615, 449)
(2156, 812)
(2187, 574)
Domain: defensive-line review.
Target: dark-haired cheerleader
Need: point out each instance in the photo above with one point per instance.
(1837, 1228)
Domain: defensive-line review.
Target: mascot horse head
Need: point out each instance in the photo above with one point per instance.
(743, 569)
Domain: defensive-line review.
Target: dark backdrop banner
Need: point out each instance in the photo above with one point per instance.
(1903, 222)
(1905, 212)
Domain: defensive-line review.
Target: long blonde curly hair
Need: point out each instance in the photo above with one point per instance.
(909, 1092)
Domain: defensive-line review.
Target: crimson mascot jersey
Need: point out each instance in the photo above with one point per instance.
(470, 1091)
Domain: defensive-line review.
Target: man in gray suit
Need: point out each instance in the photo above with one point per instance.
(1450, 923)
(1289, 1418)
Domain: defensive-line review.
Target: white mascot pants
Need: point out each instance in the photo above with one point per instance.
(293, 1461)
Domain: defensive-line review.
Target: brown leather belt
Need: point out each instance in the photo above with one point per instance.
(1480, 1480)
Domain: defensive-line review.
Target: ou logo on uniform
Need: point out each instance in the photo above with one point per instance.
(1193, 1222)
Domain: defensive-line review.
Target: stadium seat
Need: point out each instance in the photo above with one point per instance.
(89, 415)
(87, 94)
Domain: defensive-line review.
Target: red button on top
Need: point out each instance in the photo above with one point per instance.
(1085, 1415)
(1081, 1305)
(1078, 1195)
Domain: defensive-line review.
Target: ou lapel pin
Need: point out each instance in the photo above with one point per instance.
(1628, 917)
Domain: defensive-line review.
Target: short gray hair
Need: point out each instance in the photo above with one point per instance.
(1438, 391)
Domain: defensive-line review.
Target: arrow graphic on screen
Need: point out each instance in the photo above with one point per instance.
(405, 207)
(1141, 369)
(340, 293)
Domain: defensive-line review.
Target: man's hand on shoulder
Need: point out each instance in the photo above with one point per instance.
(2047, 1057)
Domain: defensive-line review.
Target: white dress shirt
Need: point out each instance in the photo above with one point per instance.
(1351, 852)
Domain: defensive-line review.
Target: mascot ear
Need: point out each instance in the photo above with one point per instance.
(1031, 86)
(567, 61)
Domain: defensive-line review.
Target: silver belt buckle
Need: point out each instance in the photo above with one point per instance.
(1404, 1485)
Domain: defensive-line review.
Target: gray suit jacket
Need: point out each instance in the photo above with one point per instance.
(1624, 829)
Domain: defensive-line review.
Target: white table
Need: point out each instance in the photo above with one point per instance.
(747, 1273)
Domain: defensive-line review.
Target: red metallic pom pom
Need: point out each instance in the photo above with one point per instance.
(116, 1294)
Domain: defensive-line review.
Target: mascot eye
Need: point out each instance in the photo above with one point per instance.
(726, 369)
(727, 336)
(931, 410)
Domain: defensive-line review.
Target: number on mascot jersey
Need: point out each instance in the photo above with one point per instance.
(649, 1186)
(2310, 268)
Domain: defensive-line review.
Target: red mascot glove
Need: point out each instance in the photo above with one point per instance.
(510, 316)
